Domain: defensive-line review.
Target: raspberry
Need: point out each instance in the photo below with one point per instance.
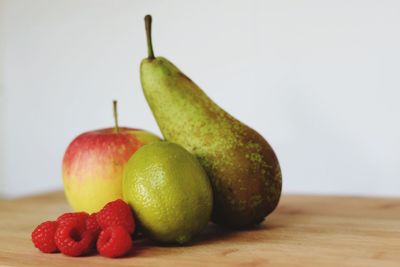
(79, 215)
(114, 242)
(92, 224)
(116, 213)
(43, 236)
(72, 238)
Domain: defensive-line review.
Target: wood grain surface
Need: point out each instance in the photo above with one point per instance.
(303, 231)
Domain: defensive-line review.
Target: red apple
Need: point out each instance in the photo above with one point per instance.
(93, 165)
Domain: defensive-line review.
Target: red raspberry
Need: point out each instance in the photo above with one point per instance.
(82, 216)
(116, 213)
(114, 242)
(92, 224)
(72, 238)
(43, 236)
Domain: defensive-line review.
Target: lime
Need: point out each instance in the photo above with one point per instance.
(169, 192)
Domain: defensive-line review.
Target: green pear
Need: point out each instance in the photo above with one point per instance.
(242, 167)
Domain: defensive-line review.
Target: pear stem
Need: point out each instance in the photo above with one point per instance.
(115, 116)
(147, 22)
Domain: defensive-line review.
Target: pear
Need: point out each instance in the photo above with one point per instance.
(242, 167)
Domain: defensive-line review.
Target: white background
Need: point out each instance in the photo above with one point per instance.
(319, 79)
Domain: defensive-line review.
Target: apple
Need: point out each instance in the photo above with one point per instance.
(93, 164)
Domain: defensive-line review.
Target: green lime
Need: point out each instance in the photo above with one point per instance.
(169, 192)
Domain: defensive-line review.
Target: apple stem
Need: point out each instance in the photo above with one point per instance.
(147, 23)
(115, 116)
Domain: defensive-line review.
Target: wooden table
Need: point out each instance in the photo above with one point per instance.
(303, 231)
